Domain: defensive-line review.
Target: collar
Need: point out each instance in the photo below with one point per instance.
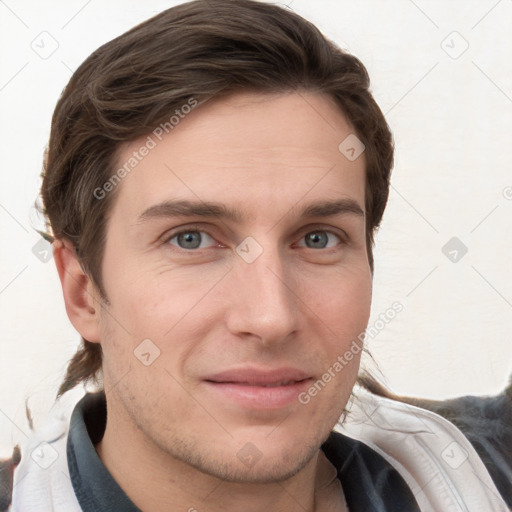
(369, 482)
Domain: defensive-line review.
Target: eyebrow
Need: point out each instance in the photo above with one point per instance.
(185, 208)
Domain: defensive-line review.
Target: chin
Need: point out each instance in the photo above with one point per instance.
(264, 467)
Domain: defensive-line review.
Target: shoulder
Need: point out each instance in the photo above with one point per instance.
(433, 456)
(41, 481)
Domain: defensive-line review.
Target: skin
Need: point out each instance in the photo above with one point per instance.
(208, 310)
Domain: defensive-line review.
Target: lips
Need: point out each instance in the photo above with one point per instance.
(257, 377)
(259, 388)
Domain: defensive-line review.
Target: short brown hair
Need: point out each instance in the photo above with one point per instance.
(197, 50)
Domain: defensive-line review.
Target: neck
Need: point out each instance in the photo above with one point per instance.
(155, 480)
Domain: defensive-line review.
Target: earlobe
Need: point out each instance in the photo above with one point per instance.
(80, 298)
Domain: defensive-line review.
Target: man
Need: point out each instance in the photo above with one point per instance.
(213, 182)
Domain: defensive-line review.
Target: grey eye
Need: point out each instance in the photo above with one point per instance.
(191, 239)
(319, 239)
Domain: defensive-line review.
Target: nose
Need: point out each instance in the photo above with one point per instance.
(264, 304)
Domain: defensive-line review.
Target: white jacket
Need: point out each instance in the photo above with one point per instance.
(437, 462)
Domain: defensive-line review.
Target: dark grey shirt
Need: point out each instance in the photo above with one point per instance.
(369, 482)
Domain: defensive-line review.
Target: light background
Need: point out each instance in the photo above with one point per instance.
(450, 109)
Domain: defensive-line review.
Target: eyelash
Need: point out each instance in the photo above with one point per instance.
(198, 229)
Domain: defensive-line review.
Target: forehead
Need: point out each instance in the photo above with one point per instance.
(254, 151)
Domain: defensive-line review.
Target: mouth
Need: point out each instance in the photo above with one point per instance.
(258, 388)
(258, 384)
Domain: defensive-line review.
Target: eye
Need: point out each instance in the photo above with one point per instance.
(190, 239)
(319, 239)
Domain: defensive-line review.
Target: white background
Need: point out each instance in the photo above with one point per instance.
(451, 114)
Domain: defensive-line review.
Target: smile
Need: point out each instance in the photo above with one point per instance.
(258, 389)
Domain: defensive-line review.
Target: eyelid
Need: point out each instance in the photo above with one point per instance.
(339, 233)
(169, 235)
(328, 228)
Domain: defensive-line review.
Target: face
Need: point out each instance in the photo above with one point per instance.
(222, 317)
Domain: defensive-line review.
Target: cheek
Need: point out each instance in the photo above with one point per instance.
(166, 310)
(343, 310)
(149, 304)
(342, 302)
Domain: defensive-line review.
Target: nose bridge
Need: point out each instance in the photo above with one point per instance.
(263, 303)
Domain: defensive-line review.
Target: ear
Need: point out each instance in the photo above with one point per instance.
(80, 295)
